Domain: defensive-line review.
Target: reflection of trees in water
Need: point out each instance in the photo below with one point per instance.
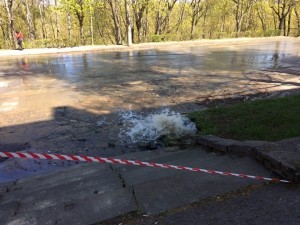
(276, 54)
(171, 61)
(279, 53)
(85, 61)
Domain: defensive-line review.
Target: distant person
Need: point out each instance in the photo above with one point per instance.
(19, 37)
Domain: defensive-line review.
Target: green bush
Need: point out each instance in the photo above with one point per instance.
(156, 38)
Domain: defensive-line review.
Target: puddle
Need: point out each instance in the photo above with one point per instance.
(13, 168)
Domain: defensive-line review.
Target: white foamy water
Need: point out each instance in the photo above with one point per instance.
(147, 128)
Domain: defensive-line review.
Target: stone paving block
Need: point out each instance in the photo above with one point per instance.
(281, 157)
(215, 143)
(244, 147)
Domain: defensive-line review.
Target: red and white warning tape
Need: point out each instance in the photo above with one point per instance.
(128, 162)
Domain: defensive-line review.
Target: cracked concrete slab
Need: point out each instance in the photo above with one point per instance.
(282, 157)
(83, 194)
(89, 193)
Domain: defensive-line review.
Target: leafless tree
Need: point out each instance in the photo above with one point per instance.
(282, 8)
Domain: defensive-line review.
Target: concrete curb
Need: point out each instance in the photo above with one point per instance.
(141, 46)
(281, 157)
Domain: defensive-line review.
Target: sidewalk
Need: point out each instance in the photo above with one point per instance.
(281, 157)
(90, 193)
(38, 51)
(150, 45)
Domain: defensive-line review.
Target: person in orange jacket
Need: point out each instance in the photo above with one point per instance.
(19, 37)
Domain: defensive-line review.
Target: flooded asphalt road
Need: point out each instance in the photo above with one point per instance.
(104, 82)
(51, 103)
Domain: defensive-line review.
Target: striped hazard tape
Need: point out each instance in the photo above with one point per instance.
(24, 155)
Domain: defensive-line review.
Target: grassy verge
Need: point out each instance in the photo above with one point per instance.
(269, 120)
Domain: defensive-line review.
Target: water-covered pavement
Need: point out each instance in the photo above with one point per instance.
(71, 102)
(102, 82)
(54, 102)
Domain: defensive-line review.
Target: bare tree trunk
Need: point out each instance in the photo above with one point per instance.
(222, 24)
(81, 30)
(241, 9)
(128, 22)
(146, 27)
(53, 25)
(204, 25)
(69, 28)
(29, 22)
(197, 13)
(298, 21)
(248, 18)
(57, 22)
(282, 8)
(158, 23)
(224, 14)
(92, 25)
(181, 18)
(101, 32)
(281, 26)
(3, 30)
(262, 18)
(193, 28)
(274, 20)
(79, 11)
(11, 30)
(2, 26)
(289, 24)
(117, 30)
(139, 12)
(42, 14)
(162, 20)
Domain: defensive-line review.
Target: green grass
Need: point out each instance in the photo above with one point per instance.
(269, 120)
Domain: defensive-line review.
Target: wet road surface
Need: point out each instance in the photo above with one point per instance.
(51, 103)
(103, 82)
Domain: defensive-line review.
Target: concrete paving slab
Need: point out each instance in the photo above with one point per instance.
(157, 189)
(88, 210)
(76, 175)
(133, 174)
(84, 169)
(172, 192)
(282, 157)
(174, 156)
(191, 158)
(90, 193)
(84, 194)
(66, 191)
